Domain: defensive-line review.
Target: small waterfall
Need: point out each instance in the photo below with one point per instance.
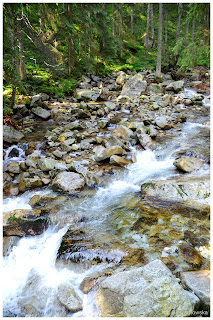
(19, 154)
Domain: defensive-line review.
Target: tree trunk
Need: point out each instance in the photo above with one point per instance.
(71, 51)
(165, 32)
(22, 66)
(186, 34)
(160, 27)
(147, 28)
(152, 24)
(178, 22)
(193, 29)
(113, 20)
(132, 19)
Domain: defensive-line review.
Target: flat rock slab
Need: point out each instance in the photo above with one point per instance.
(181, 189)
(199, 283)
(42, 113)
(188, 164)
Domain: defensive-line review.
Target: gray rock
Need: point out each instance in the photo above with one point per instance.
(68, 182)
(42, 113)
(11, 135)
(102, 153)
(145, 140)
(69, 298)
(35, 297)
(121, 78)
(36, 101)
(134, 87)
(123, 133)
(146, 291)
(180, 189)
(199, 283)
(119, 161)
(87, 95)
(175, 86)
(46, 164)
(163, 123)
(195, 301)
(58, 154)
(188, 164)
(13, 167)
(154, 88)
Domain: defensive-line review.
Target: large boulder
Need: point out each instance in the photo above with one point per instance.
(69, 298)
(102, 153)
(134, 87)
(149, 291)
(175, 86)
(188, 164)
(180, 189)
(68, 182)
(199, 283)
(119, 161)
(87, 94)
(11, 135)
(41, 113)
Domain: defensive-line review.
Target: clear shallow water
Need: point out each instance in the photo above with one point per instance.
(104, 214)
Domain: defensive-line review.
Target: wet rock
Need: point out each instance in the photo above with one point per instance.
(134, 87)
(90, 281)
(188, 164)
(30, 183)
(8, 243)
(46, 164)
(11, 189)
(68, 182)
(199, 283)
(180, 189)
(69, 298)
(36, 101)
(123, 133)
(41, 113)
(13, 167)
(148, 291)
(119, 161)
(144, 139)
(175, 86)
(190, 254)
(102, 153)
(163, 123)
(11, 135)
(24, 222)
(47, 202)
(35, 296)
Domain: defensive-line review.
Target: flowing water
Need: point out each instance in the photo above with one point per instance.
(107, 218)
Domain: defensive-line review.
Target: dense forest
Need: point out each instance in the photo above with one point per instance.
(47, 46)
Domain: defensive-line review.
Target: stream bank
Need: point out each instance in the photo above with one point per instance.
(91, 179)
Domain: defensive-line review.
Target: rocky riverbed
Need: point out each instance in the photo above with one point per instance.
(123, 168)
